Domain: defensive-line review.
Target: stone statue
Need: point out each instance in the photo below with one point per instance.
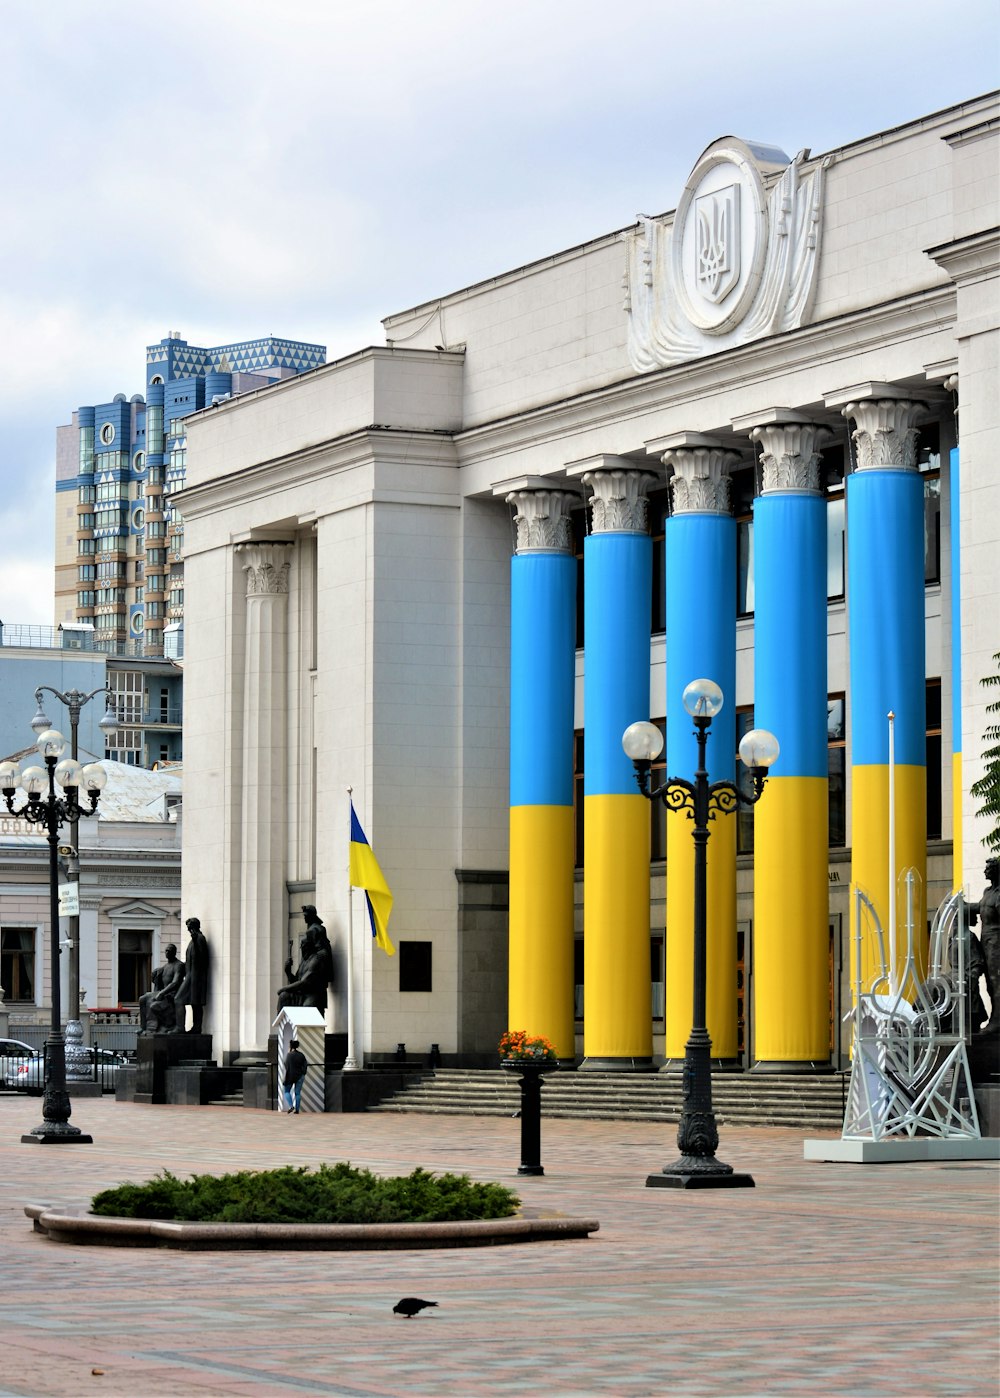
(158, 1007)
(308, 984)
(987, 913)
(193, 989)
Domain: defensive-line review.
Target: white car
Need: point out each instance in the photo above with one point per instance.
(12, 1054)
(28, 1075)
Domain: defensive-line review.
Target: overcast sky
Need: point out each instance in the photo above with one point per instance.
(305, 168)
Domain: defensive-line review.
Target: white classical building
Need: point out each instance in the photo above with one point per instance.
(805, 344)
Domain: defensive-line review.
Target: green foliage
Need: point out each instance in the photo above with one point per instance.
(987, 788)
(295, 1194)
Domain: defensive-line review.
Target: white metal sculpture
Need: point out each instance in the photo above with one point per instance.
(910, 1071)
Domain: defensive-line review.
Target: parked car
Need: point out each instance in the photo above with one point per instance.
(12, 1054)
(28, 1075)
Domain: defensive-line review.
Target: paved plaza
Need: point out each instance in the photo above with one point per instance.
(824, 1279)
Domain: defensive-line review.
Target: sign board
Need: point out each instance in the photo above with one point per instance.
(69, 900)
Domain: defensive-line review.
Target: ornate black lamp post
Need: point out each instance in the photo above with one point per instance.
(697, 1134)
(74, 700)
(45, 807)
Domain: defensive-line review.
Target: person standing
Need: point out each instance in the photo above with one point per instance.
(295, 1072)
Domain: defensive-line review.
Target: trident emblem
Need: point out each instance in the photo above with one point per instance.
(717, 244)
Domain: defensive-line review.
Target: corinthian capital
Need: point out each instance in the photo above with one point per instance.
(266, 566)
(790, 455)
(885, 425)
(619, 504)
(542, 520)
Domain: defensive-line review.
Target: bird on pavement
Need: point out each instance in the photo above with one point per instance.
(410, 1305)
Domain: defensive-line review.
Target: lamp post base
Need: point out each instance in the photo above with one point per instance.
(57, 1133)
(699, 1172)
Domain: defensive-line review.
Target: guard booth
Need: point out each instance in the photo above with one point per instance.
(306, 1024)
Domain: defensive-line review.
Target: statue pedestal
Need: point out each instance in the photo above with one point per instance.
(157, 1053)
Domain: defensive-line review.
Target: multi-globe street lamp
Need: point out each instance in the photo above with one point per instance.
(78, 1063)
(44, 806)
(697, 1133)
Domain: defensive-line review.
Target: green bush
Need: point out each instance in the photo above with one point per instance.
(295, 1194)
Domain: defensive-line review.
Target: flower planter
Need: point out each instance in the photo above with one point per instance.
(530, 1071)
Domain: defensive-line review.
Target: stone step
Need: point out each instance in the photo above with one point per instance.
(806, 1101)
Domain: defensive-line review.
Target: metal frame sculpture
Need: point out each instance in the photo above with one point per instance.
(910, 1071)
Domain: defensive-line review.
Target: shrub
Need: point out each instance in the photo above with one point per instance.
(337, 1193)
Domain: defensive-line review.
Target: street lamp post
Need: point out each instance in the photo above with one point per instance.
(45, 807)
(697, 1134)
(74, 700)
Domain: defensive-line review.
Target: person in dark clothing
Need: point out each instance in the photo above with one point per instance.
(295, 1072)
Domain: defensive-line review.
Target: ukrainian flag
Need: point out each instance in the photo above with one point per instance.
(366, 874)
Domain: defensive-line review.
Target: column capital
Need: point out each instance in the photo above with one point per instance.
(701, 467)
(542, 518)
(620, 488)
(790, 449)
(885, 424)
(266, 565)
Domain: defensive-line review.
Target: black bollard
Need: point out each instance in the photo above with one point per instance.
(531, 1118)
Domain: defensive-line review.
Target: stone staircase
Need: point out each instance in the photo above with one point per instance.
(809, 1102)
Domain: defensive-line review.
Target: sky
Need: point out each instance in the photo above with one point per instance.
(305, 168)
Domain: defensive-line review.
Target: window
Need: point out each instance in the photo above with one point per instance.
(832, 484)
(135, 964)
(17, 963)
(578, 524)
(415, 966)
(659, 509)
(86, 494)
(656, 975)
(108, 433)
(742, 488)
(139, 462)
(744, 817)
(578, 797)
(836, 740)
(578, 978)
(934, 803)
(929, 465)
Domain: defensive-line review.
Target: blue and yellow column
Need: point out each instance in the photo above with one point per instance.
(954, 490)
(700, 559)
(791, 884)
(618, 567)
(885, 581)
(542, 672)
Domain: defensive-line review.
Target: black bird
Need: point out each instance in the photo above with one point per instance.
(410, 1305)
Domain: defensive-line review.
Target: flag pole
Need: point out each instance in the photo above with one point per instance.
(351, 1063)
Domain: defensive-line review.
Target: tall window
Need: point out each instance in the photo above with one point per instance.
(934, 803)
(742, 496)
(17, 963)
(578, 797)
(578, 524)
(836, 740)
(832, 465)
(135, 964)
(929, 464)
(659, 508)
(744, 817)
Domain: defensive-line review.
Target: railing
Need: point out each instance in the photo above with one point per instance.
(52, 638)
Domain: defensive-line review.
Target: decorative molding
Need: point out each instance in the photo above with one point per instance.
(619, 504)
(790, 456)
(542, 520)
(266, 566)
(734, 264)
(700, 480)
(885, 433)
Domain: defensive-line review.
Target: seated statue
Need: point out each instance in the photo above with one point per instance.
(158, 1007)
(308, 984)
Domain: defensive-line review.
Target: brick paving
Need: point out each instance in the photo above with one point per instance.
(824, 1280)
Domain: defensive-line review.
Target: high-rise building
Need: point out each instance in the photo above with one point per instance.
(119, 539)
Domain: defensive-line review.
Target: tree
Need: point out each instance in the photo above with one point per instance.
(987, 788)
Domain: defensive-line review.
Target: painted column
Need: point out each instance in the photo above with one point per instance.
(954, 497)
(885, 558)
(542, 673)
(700, 568)
(262, 794)
(618, 565)
(791, 841)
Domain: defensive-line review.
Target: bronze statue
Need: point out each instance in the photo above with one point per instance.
(193, 989)
(158, 1007)
(308, 984)
(987, 913)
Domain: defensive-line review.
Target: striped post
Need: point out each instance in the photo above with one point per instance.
(542, 666)
(790, 930)
(700, 549)
(618, 563)
(885, 522)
